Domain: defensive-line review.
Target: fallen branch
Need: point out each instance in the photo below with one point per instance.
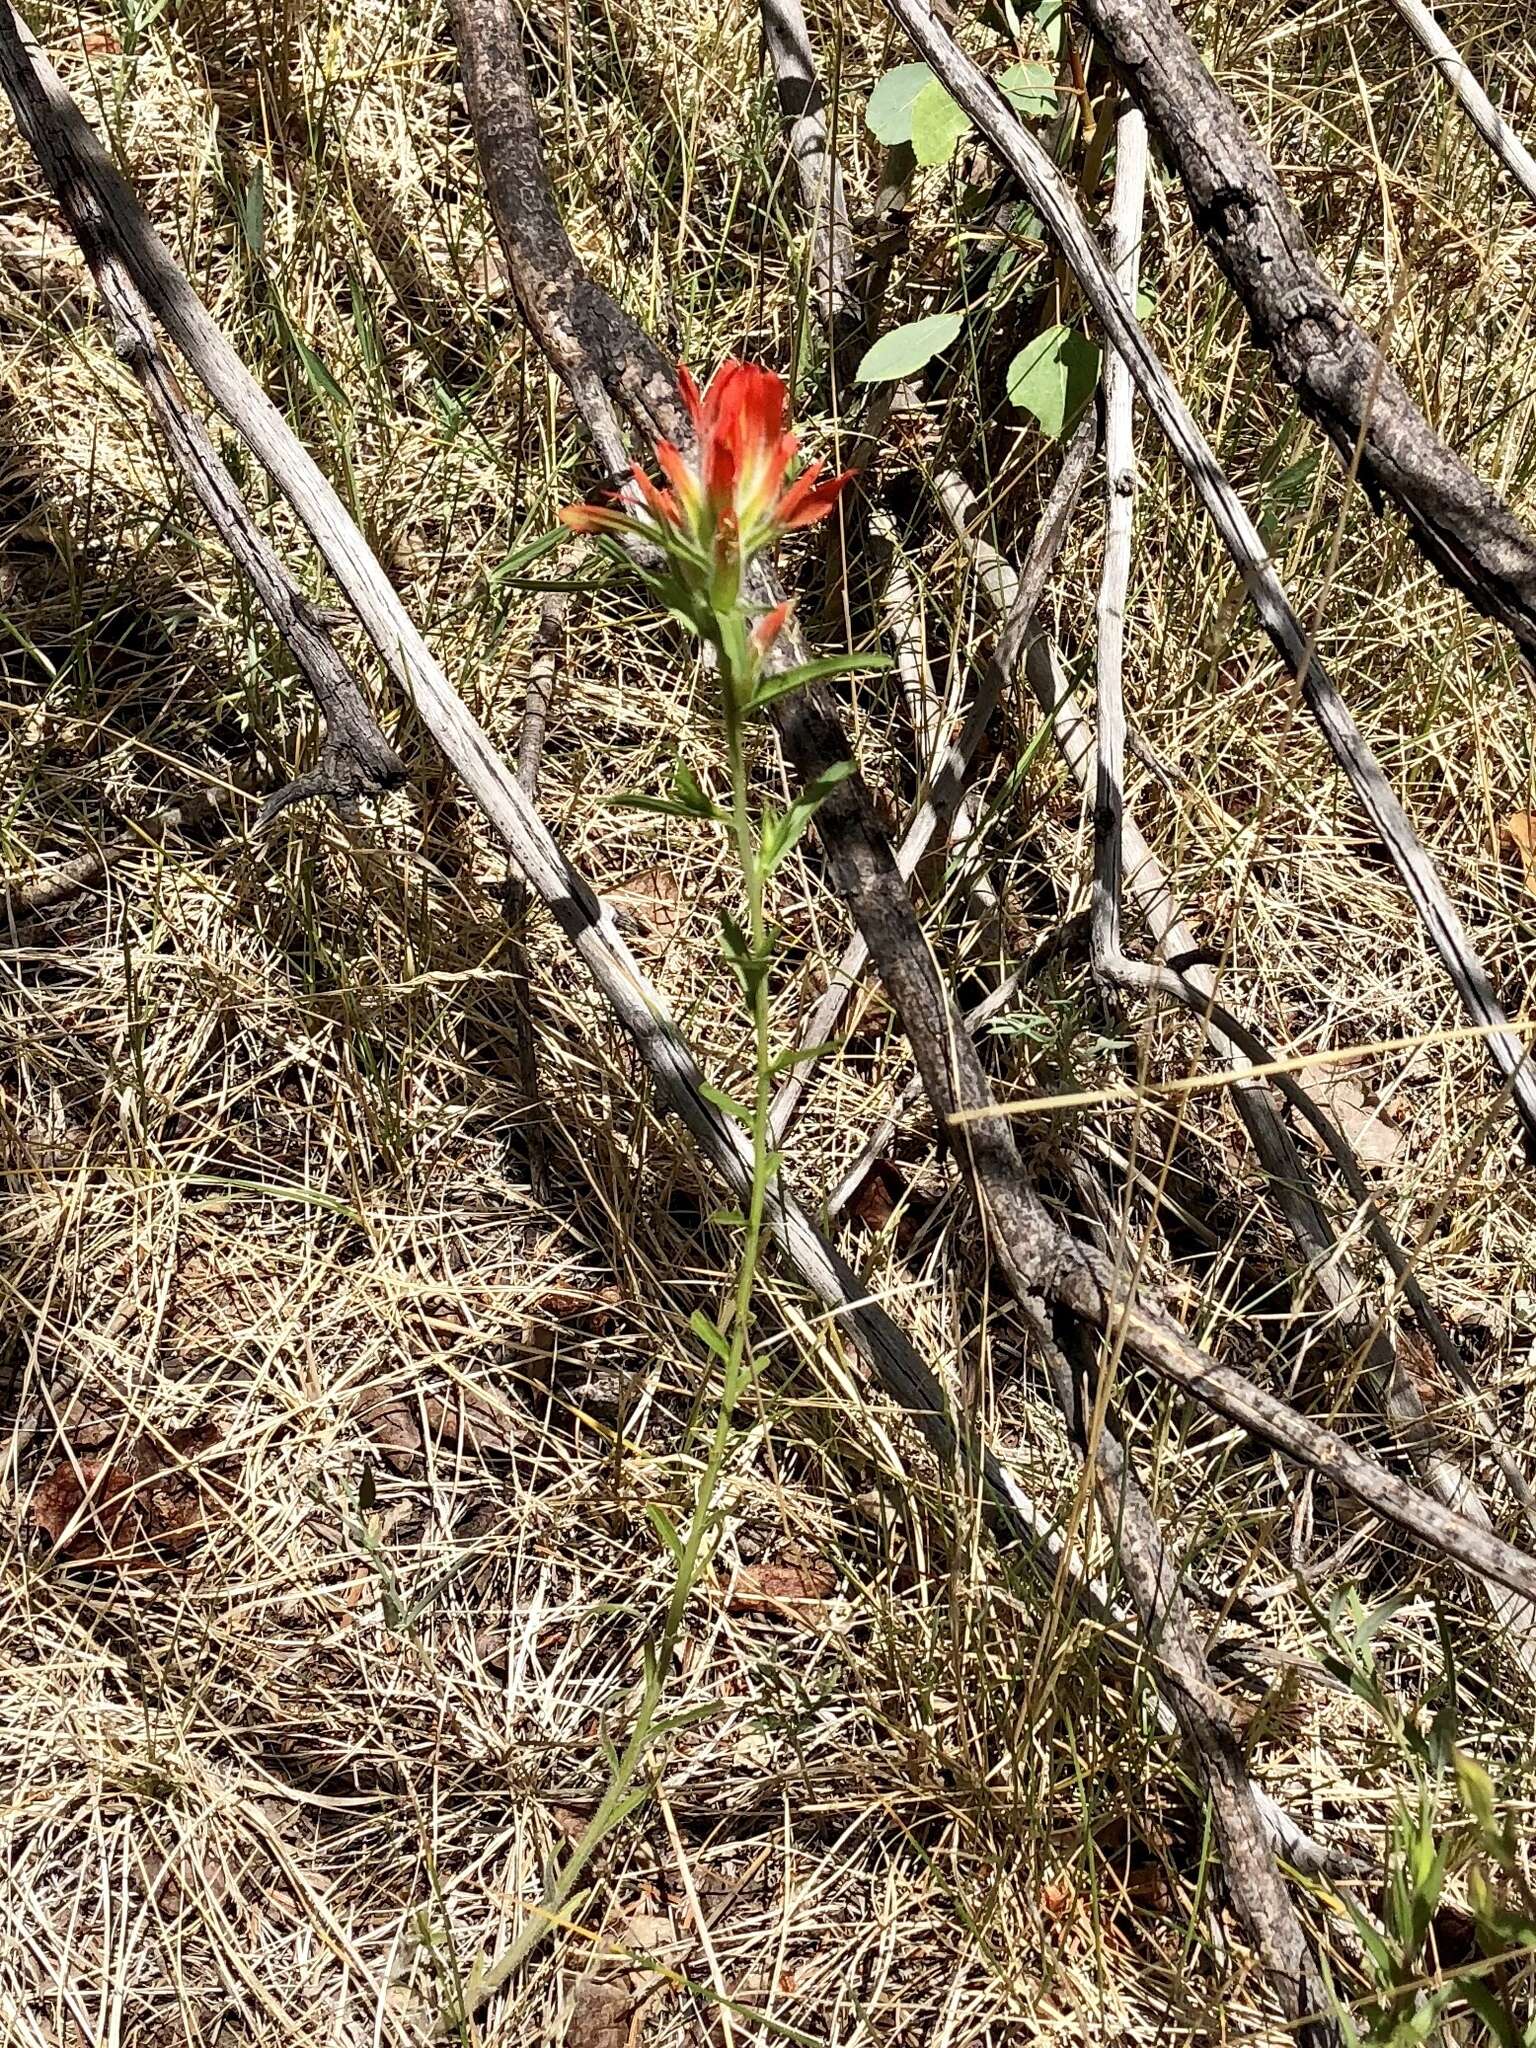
(947, 778)
(31, 895)
(1058, 210)
(822, 199)
(1297, 314)
(1195, 988)
(1475, 103)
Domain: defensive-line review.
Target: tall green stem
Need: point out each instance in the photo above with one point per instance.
(738, 675)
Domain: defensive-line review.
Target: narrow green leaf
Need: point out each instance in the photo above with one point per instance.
(663, 806)
(732, 1108)
(904, 351)
(709, 1333)
(1053, 377)
(937, 125)
(792, 826)
(889, 113)
(253, 213)
(773, 687)
(666, 1529)
(797, 1055)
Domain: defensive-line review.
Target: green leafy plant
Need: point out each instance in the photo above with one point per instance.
(1446, 1835)
(699, 537)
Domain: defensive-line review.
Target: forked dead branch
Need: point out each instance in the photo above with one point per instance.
(1063, 221)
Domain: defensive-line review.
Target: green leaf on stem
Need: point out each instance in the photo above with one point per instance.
(937, 125)
(771, 688)
(666, 1529)
(789, 830)
(1054, 377)
(797, 1055)
(738, 1111)
(687, 799)
(1030, 89)
(709, 1333)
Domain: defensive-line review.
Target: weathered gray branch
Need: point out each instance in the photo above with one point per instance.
(1298, 314)
(1475, 103)
(1058, 209)
(802, 104)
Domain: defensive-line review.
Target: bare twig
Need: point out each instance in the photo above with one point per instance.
(30, 895)
(1476, 105)
(802, 103)
(1059, 211)
(543, 673)
(947, 779)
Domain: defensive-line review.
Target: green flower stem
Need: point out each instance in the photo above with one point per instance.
(728, 630)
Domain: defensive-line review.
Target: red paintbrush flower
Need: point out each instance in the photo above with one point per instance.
(733, 499)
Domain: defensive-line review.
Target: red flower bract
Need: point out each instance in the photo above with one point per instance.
(732, 500)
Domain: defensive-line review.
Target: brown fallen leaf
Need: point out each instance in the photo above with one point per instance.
(653, 899)
(1519, 831)
(885, 1192)
(599, 2014)
(144, 1503)
(798, 1591)
(1340, 1088)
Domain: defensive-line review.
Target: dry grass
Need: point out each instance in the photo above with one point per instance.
(293, 1736)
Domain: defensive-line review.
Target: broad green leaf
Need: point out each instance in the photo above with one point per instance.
(889, 113)
(903, 352)
(1030, 89)
(1146, 304)
(937, 125)
(1049, 20)
(1053, 377)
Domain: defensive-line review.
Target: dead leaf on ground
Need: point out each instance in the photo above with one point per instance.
(883, 1193)
(600, 2010)
(652, 899)
(1340, 1088)
(1519, 831)
(147, 1501)
(798, 1591)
